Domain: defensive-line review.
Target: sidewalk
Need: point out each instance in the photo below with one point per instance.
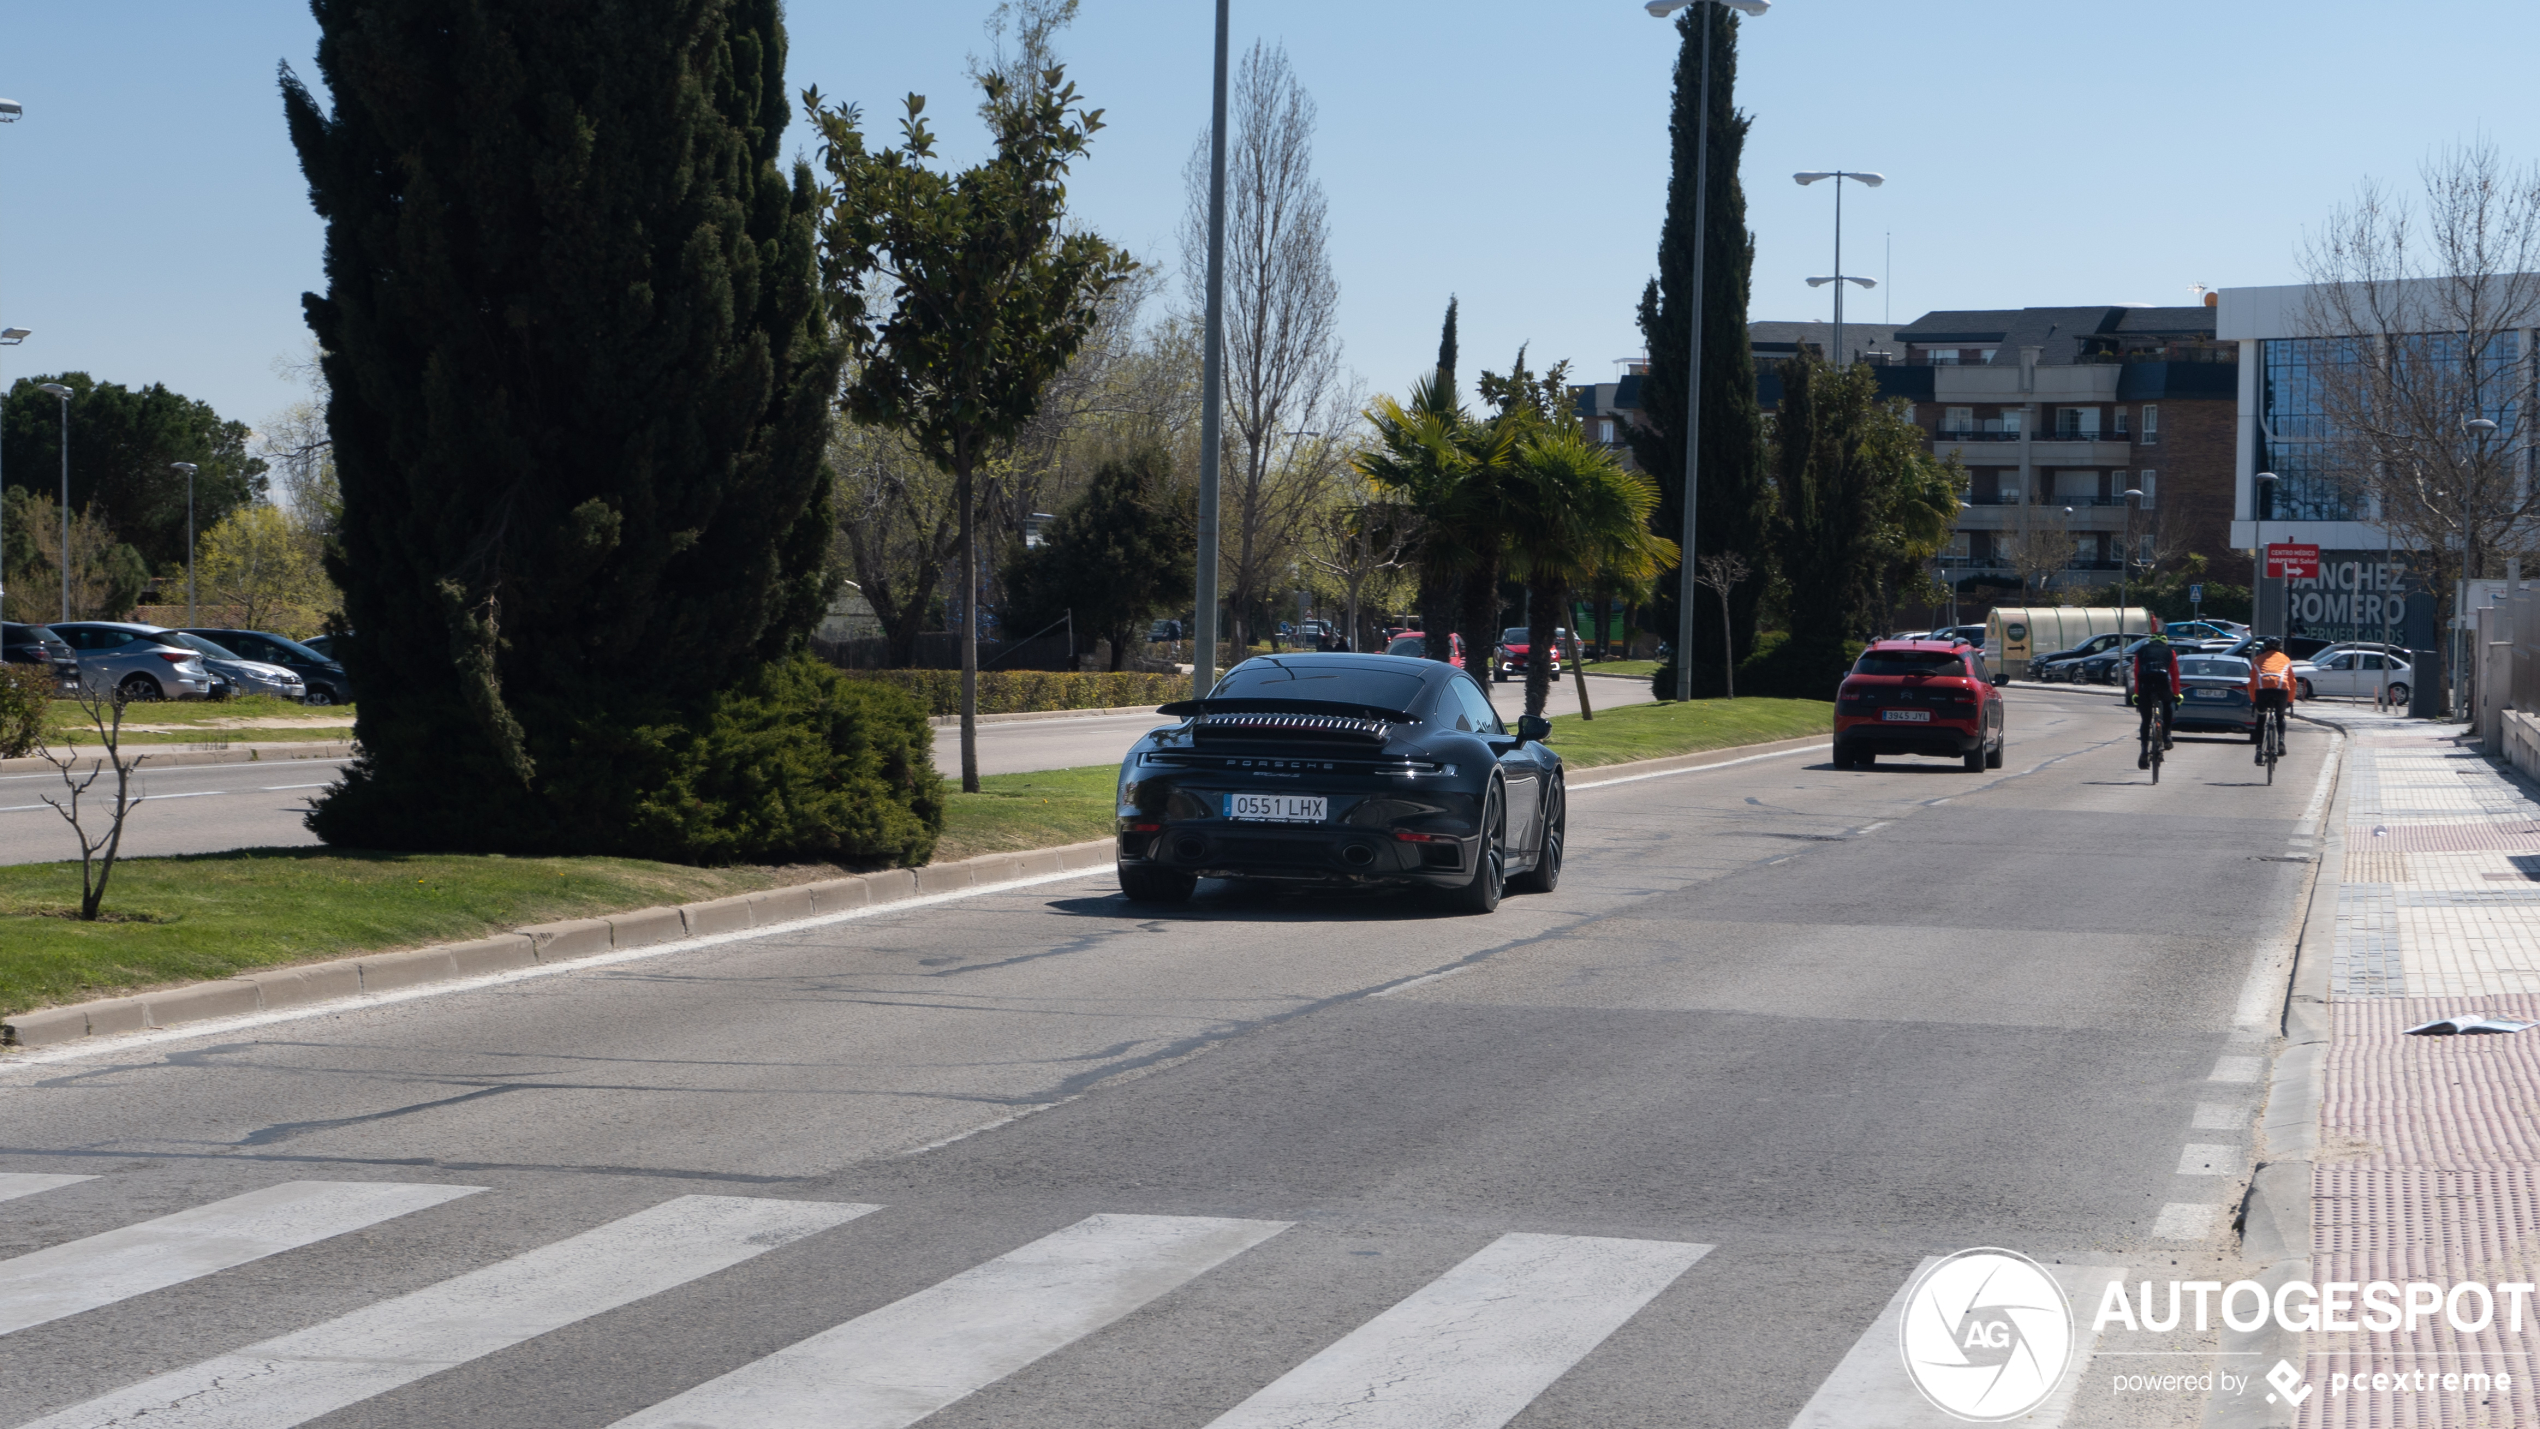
(2428, 1161)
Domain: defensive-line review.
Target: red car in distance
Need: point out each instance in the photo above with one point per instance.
(1415, 645)
(1918, 697)
(1516, 644)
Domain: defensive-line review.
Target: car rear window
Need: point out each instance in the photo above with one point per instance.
(1911, 662)
(1411, 645)
(1275, 679)
(2230, 666)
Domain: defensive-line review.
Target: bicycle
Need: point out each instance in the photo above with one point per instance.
(2156, 738)
(2270, 739)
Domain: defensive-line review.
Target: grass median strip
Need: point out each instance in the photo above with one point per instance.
(183, 919)
(245, 720)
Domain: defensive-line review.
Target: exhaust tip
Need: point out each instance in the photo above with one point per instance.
(1358, 856)
(1189, 847)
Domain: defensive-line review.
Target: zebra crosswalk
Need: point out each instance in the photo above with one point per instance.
(1473, 1346)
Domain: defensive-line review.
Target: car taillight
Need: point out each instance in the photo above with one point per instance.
(1407, 836)
(176, 657)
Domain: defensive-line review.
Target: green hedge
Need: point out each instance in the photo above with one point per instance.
(1026, 691)
(24, 689)
(1778, 669)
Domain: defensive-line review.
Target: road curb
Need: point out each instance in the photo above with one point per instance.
(540, 944)
(183, 756)
(953, 721)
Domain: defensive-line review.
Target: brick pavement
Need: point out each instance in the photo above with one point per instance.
(2428, 1166)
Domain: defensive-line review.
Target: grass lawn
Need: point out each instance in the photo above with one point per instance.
(248, 719)
(1629, 732)
(1640, 669)
(180, 919)
(1020, 811)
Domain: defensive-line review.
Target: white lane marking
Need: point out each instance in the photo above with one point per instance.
(2216, 1116)
(2181, 1221)
(278, 788)
(1873, 828)
(197, 794)
(14, 1184)
(250, 766)
(1870, 1385)
(300, 1376)
(1409, 983)
(1475, 1346)
(2236, 1069)
(900, 1363)
(119, 1264)
(2202, 1158)
(1698, 768)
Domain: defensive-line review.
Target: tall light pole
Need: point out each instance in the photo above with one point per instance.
(2261, 491)
(188, 468)
(2479, 429)
(1686, 584)
(58, 390)
(1212, 383)
(1841, 358)
(10, 111)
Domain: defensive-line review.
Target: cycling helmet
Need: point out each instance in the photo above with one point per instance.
(2268, 645)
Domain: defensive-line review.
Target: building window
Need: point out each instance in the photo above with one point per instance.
(2147, 483)
(2077, 423)
(1605, 430)
(2121, 415)
(2151, 425)
(1961, 546)
(2008, 422)
(1942, 356)
(1985, 356)
(1958, 419)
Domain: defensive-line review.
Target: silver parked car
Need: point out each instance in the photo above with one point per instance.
(243, 676)
(145, 662)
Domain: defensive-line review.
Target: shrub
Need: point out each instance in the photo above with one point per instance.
(1028, 691)
(1778, 669)
(24, 689)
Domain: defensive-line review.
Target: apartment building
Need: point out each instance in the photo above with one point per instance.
(2056, 413)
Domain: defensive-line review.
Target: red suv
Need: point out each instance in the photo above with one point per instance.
(1918, 697)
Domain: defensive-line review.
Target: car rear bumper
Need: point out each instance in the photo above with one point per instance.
(1313, 853)
(1877, 736)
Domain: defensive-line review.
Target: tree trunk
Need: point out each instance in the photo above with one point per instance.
(1728, 651)
(969, 632)
(1542, 611)
(1437, 614)
(1480, 621)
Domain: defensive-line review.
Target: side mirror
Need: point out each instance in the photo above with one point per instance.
(1533, 729)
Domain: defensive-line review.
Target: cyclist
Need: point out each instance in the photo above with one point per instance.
(2156, 686)
(2271, 689)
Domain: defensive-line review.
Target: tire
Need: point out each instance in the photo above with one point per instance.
(1545, 876)
(1844, 758)
(1993, 756)
(1973, 763)
(318, 697)
(1490, 860)
(139, 690)
(2305, 687)
(2398, 694)
(1144, 884)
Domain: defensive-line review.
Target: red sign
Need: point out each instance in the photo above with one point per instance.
(2294, 562)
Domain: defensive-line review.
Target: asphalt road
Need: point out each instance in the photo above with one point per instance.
(214, 808)
(1654, 1149)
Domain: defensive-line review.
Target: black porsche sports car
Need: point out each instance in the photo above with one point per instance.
(1343, 769)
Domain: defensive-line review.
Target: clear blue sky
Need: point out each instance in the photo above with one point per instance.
(154, 227)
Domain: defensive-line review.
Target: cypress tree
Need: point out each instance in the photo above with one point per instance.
(1736, 499)
(1446, 350)
(579, 371)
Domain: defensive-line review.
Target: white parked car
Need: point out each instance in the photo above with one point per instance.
(242, 675)
(2352, 674)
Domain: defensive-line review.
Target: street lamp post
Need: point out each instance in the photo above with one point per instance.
(2261, 492)
(56, 389)
(2125, 560)
(188, 468)
(1686, 584)
(2479, 429)
(1841, 357)
(10, 111)
(1212, 386)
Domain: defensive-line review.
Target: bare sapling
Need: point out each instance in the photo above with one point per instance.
(1722, 573)
(104, 709)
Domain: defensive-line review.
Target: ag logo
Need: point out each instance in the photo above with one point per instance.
(1986, 1335)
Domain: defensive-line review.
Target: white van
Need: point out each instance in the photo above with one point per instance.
(2014, 636)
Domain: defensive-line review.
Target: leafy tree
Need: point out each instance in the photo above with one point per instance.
(961, 295)
(1857, 490)
(1582, 518)
(1735, 507)
(1117, 555)
(107, 576)
(578, 382)
(123, 444)
(270, 569)
(1446, 348)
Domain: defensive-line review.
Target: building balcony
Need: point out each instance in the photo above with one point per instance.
(1952, 434)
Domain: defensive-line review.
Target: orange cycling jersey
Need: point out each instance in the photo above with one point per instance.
(2274, 671)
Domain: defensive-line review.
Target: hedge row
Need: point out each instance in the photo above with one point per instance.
(23, 692)
(1025, 691)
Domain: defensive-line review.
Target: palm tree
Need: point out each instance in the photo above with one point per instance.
(1578, 519)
